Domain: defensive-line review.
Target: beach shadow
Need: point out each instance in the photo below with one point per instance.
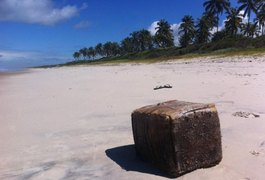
(125, 157)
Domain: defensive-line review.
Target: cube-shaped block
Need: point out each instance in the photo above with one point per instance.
(177, 136)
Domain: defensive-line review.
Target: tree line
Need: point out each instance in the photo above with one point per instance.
(204, 30)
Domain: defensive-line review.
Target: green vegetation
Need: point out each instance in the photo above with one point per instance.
(216, 7)
(186, 31)
(235, 46)
(196, 37)
(164, 35)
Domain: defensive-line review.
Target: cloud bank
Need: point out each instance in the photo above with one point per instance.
(152, 28)
(10, 55)
(36, 11)
(15, 59)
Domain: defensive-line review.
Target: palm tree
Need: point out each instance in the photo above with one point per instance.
(261, 16)
(115, 49)
(250, 29)
(164, 34)
(204, 26)
(146, 40)
(216, 7)
(211, 19)
(107, 48)
(91, 52)
(233, 22)
(88, 54)
(135, 40)
(99, 49)
(186, 31)
(126, 45)
(111, 49)
(247, 6)
(220, 35)
(259, 3)
(141, 40)
(76, 55)
(83, 52)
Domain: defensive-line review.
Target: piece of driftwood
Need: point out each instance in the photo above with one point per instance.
(177, 136)
(162, 87)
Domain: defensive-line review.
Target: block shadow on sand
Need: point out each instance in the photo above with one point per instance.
(125, 157)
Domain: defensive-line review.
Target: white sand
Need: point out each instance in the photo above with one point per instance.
(71, 122)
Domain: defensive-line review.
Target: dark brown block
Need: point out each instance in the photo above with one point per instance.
(177, 136)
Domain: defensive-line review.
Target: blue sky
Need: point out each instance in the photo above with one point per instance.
(35, 32)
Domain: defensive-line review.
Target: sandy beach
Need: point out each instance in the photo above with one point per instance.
(75, 122)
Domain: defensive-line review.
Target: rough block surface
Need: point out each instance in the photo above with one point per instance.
(178, 136)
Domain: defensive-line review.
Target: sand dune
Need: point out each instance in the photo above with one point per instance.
(74, 122)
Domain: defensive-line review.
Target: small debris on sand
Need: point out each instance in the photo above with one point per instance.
(255, 153)
(161, 87)
(245, 114)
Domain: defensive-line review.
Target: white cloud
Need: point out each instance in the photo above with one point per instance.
(10, 55)
(14, 59)
(175, 28)
(245, 19)
(82, 24)
(36, 11)
(152, 28)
